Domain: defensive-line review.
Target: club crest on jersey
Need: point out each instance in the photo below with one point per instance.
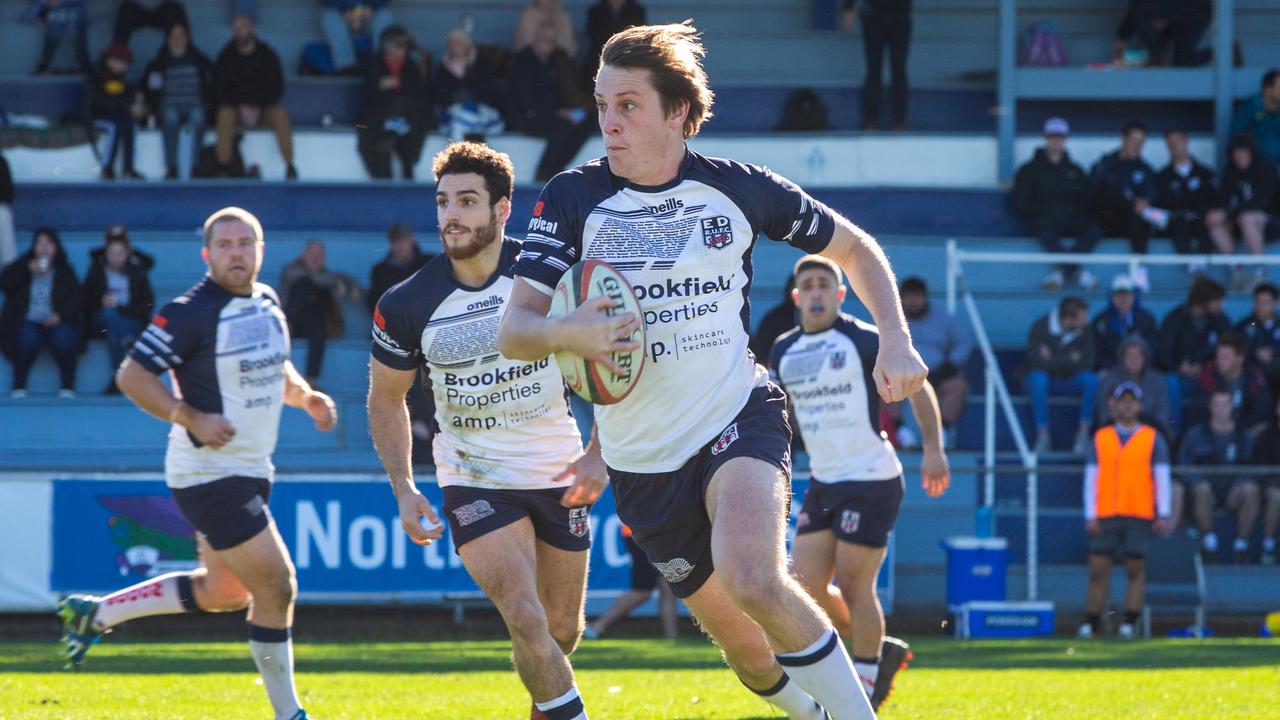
(717, 233)
(473, 512)
(849, 521)
(725, 440)
(578, 521)
(837, 360)
(674, 570)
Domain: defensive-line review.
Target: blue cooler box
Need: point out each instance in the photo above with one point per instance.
(1004, 619)
(976, 569)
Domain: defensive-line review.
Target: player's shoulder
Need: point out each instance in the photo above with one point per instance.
(268, 292)
(427, 286)
(855, 327)
(729, 172)
(203, 301)
(786, 341)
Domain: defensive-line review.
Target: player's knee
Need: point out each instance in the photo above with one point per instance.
(1201, 491)
(857, 591)
(751, 585)
(525, 619)
(277, 592)
(755, 666)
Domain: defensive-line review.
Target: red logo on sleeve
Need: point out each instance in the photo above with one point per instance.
(160, 321)
(378, 320)
(537, 209)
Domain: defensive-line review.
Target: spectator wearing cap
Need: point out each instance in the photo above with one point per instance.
(118, 298)
(1134, 367)
(944, 344)
(1127, 497)
(1259, 117)
(403, 259)
(1220, 442)
(1187, 340)
(249, 88)
(1248, 188)
(1266, 451)
(1060, 355)
(114, 105)
(345, 20)
(178, 86)
(1185, 192)
(1123, 316)
(1250, 396)
(1051, 195)
(1261, 331)
(1122, 186)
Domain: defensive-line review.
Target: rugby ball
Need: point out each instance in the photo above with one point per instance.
(593, 381)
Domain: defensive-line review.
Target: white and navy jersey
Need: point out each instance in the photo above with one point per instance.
(501, 423)
(685, 247)
(828, 376)
(226, 354)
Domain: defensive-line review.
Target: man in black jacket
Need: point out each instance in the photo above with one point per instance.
(249, 85)
(1185, 190)
(539, 105)
(1123, 185)
(8, 236)
(41, 307)
(403, 259)
(178, 84)
(1123, 317)
(1261, 331)
(1248, 187)
(1051, 194)
(1188, 337)
(118, 299)
(605, 19)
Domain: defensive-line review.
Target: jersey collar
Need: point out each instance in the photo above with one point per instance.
(681, 171)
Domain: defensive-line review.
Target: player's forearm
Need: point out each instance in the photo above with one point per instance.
(148, 392)
(924, 404)
(868, 270)
(527, 335)
(393, 439)
(296, 387)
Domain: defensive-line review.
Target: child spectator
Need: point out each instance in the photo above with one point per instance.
(114, 105)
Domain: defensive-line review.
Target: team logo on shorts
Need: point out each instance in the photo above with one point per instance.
(674, 570)
(717, 233)
(726, 439)
(837, 360)
(849, 520)
(473, 512)
(255, 506)
(578, 521)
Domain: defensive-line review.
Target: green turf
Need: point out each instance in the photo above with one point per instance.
(644, 679)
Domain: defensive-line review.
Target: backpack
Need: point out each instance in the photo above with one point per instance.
(804, 111)
(1043, 46)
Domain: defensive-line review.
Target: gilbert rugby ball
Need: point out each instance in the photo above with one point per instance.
(593, 381)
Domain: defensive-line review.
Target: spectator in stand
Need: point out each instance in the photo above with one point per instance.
(8, 237)
(539, 13)
(1220, 441)
(62, 20)
(604, 20)
(1250, 396)
(1122, 186)
(944, 344)
(1266, 451)
(1261, 331)
(114, 106)
(178, 86)
(1158, 23)
(466, 89)
(886, 25)
(1259, 117)
(1123, 316)
(118, 298)
(403, 259)
(1127, 497)
(344, 20)
(542, 103)
(1185, 192)
(312, 296)
(1187, 338)
(1060, 354)
(395, 107)
(249, 85)
(41, 307)
(134, 14)
(1135, 368)
(779, 319)
(1051, 195)
(1248, 188)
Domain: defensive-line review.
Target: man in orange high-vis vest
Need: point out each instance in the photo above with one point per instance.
(1126, 498)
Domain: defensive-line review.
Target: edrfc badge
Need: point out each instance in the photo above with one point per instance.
(849, 520)
(717, 233)
(837, 360)
(579, 521)
(725, 440)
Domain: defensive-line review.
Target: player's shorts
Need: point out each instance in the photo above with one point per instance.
(643, 575)
(861, 512)
(227, 511)
(1121, 537)
(475, 512)
(667, 512)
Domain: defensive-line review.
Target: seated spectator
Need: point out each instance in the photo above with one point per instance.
(1261, 331)
(394, 107)
(944, 344)
(1266, 451)
(1122, 186)
(178, 86)
(1187, 338)
(1217, 442)
(134, 14)
(118, 299)
(605, 19)
(63, 20)
(541, 102)
(344, 20)
(1123, 316)
(1259, 117)
(546, 12)
(1185, 192)
(8, 236)
(466, 90)
(1248, 188)
(1134, 367)
(1051, 195)
(1250, 396)
(248, 88)
(1060, 354)
(312, 294)
(41, 307)
(114, 106)
(1127, 497)
(403, 259)
(1159, 23)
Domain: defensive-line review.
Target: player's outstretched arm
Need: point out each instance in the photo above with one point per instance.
(149, 393)
(899, 370)
(934, 467)
(590, 475)
(393, 439)
(528, 334)
(299, 393)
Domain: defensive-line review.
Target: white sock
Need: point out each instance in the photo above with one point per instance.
(273, 654)
(1240, 545)
(566, 707)
(792, 700)
(868, 670)
(825, 671)
(165, 595)
(1211, 541)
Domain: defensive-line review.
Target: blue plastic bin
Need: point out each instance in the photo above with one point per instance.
(976, 569)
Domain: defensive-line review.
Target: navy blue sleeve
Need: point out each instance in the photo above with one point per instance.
(782, 211)
(865, 337)
(174, 334)
(553, 242)
(397, 338)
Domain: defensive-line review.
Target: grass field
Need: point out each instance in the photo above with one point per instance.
(1166, 679)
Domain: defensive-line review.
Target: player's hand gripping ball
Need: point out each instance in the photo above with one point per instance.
(595, 381)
